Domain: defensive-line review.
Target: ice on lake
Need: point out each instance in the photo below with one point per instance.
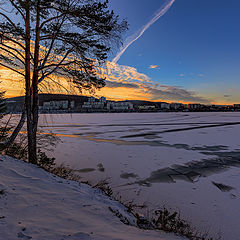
(189, 162)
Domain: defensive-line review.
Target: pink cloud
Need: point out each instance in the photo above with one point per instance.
(154, 66)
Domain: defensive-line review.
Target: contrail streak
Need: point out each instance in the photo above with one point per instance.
(159, 14)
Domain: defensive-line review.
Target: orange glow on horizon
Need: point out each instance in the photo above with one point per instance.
(14, 86)
(117, 94)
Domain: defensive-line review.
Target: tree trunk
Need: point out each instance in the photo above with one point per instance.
(32, 155)
(35, 85)
(10, 140)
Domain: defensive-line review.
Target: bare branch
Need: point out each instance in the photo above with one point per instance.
(6, 126)
(59, 84)
(14, 55)
(12, 69)
(57, 66)
(51, 19)
(11, 22)
(52, 43)
(14, 134)
(13, 49)
(17, 8)
(12, 40)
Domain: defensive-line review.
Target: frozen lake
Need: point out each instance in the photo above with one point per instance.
(189, 162)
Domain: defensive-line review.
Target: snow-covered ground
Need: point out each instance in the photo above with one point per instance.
(37, 205)
(189, 162)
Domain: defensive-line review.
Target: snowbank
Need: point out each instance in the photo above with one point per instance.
(35, 204)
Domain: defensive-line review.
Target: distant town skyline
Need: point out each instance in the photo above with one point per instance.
(189, 54)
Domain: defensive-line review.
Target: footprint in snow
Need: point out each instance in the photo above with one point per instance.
(77, 236)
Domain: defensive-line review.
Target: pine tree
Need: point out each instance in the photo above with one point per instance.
(49, 38)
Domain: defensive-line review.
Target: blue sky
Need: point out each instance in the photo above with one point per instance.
(196, 45)
(190, 54)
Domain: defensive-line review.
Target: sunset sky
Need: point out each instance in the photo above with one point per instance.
(189, 54)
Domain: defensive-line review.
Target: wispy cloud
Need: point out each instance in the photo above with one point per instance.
(124, 82)
(130, 40)
(174, 93)
(154, 66)
(111, 84)
(181, 75)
